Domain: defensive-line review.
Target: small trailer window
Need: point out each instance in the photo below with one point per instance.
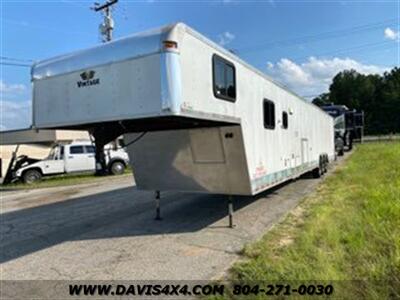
(284, 120)
(269, 114)
(224, 79)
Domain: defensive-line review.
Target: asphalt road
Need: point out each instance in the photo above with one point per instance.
(106, 230)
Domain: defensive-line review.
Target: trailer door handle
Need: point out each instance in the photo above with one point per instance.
(70, 157)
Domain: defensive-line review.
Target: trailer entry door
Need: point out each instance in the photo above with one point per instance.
(304, 151)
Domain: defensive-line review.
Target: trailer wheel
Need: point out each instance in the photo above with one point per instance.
(341, 152)
(350, 145)
(326, 166)
(316, 173)
(117, 168)
(32, 176)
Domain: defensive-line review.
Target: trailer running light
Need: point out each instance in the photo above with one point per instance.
(170, 45)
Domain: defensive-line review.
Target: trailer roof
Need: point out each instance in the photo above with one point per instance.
(136, 45)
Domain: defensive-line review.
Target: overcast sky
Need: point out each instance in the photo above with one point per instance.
(302, 44)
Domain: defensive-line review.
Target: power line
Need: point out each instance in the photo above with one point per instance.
(15, 59)
(41, 27)
(378, 48)
(316, 37)
(73, 3)
(121, 11)
(15, 64)
(351, 49)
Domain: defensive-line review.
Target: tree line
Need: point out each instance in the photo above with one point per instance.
(377, 95)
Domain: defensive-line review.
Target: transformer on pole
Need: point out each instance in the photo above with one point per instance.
(107, 26)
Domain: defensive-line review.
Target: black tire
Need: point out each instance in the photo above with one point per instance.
(341, 152)
(326, 162)
(316, 173)
(325, 167)
(321, 168)
(32, 176)
(351, 145)
(117, 168)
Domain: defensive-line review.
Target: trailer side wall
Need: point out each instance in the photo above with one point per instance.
(273, 155)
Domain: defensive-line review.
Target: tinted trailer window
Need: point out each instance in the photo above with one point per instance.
(224, 79)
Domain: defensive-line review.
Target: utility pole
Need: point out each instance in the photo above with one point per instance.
(107, 26)
(100, 140)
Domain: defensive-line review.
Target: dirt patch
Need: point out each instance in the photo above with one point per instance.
(195, 251)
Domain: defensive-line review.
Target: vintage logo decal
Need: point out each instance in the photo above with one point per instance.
(88, 79)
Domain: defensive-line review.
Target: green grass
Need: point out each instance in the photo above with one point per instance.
(349, 229)
(60, 180)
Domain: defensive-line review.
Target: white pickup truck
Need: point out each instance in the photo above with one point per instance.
(78, 156)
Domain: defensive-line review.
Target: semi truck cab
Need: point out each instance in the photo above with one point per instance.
(349, 126)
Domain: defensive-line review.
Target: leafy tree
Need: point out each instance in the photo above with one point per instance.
(389, 104)
(322, 99)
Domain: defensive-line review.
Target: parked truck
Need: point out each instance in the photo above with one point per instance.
(340, 131)
(78, 156)
(349, 125)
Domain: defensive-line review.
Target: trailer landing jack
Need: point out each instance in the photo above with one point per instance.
(158, 208)
(230, 211)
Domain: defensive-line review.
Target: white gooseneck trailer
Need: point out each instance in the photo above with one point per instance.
(200, 118)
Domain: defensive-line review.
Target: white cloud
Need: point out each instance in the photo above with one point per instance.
(314, 76)
(293, 72)
(14, 115)
(225, 38)
(391, 34)
(11, 88)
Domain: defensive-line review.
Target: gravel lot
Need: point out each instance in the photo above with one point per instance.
(106, 230)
